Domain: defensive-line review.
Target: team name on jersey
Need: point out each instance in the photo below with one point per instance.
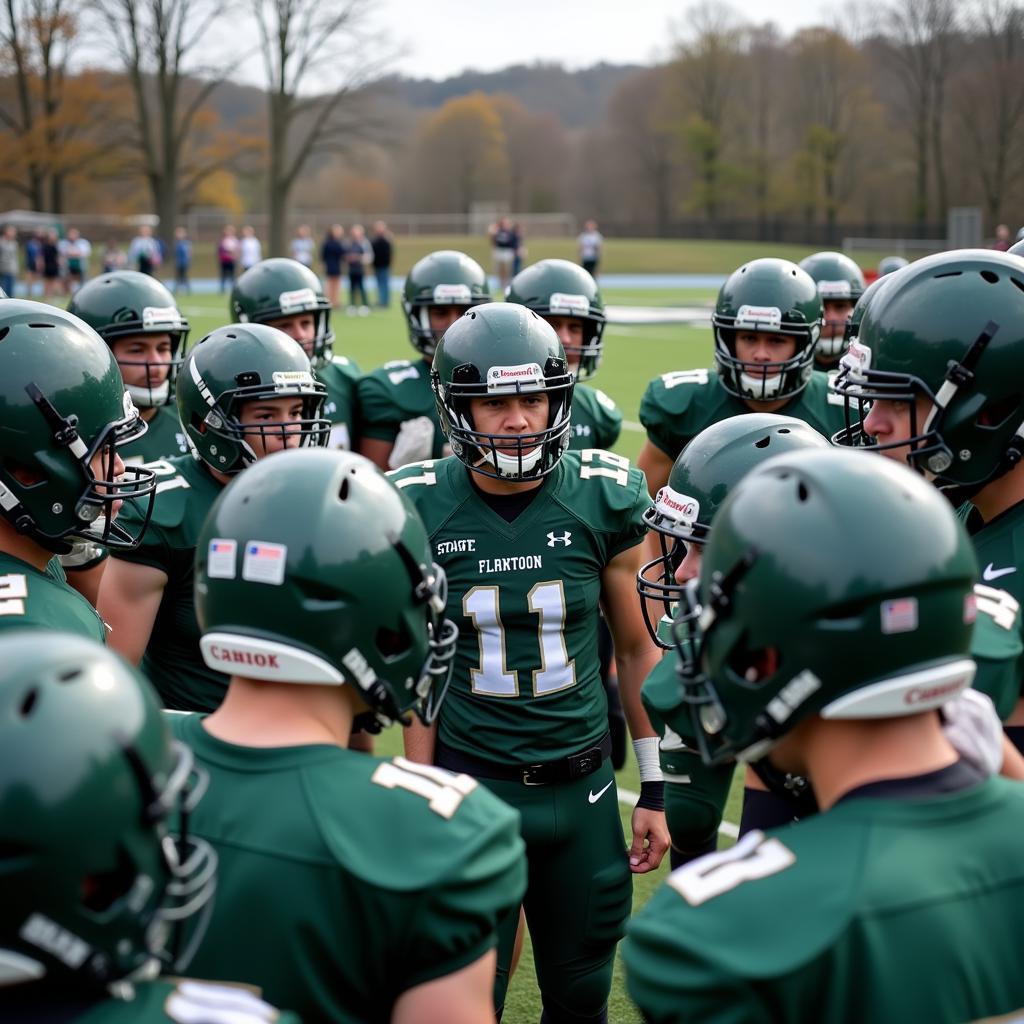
(517, 563)
(448, 547)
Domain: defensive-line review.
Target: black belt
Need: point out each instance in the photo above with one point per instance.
(565, 769)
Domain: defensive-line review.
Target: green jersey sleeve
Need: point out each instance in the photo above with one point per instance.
(30, 599)
(997, 647)
(395, 393)
(596, 419)
(341, 376)
(677, 406)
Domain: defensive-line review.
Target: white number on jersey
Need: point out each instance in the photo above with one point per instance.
(493, 676)
(193, 1001)
(408, 373)
(997, 604)
(753, 857)
(428, 477)
(442, 790)
(833, 397)
(171, 481)
(677, 377)
(339, 437)
(615, 467)
(13, 591)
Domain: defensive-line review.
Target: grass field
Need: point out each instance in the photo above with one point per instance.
(633, 355)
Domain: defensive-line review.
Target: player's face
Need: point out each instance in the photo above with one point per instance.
(274, 424)
(570, 333)
(144, 359)
(890, 422)
(516, 415)
(837, 312)
(689, 568)
(442, 317)
(300, 327)
(759, 347)
(106, 464)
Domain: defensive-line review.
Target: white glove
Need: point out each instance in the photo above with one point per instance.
(971, 724)
(414, 443)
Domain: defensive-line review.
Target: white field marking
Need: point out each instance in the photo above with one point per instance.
(628, 798)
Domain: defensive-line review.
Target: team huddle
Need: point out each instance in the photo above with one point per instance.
(226, 566)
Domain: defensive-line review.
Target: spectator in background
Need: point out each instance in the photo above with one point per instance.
(144, 253)
(250, 252)
(114, 257)
(9, 260)
(383, 253)
(227, 256)
(332, 252)
(33, 261)
(504, 243)
(77, 251)
(182, 261)
(589, 243)
(519, 254)
(51, 264)
(303, 246)
(357, 254)
(1002, 242)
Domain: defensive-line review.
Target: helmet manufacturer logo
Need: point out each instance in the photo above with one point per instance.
(761, 318)
(360, 668)
(161, 316)
(564, 539)
(452, 294)
(264, 563)
(220, 559)
(678, 507)
(297, 301)
(292, 378)
(899, 615)
(41, 932)
(572, 305)
(835, 290)
(793, 694)
(511, 378)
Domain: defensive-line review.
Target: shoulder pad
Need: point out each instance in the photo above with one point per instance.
(605, 401)
(603, 482)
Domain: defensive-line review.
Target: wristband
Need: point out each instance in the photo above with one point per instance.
(652, 796)
(646, 750)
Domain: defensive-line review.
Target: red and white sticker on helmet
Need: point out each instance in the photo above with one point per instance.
(761, 318)
(835, 290)
(856, 360)
(264, 562)
(220, 558)
(564, 304)
(128, 407)
(452, 294)
(680, 508)
(899, 615)
(297, 301)
(161, 316)
(506, 379)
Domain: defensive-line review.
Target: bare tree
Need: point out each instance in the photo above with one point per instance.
(317, 56)
(164, 48)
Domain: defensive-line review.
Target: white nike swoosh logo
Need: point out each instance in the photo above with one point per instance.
(594, 797)
(991, 573)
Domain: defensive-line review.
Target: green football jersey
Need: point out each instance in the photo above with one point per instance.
(596, 419)
(394, 393)
(345, 880)
(31, 599)
(877, 910)
(173, 662)
(163, 439)
(527, 684)
(677, 406)
(340, 376)
(185, 1001)
(999, 546)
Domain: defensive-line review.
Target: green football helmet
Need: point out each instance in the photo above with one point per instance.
(62, 405)
(244, 363)
(94, 887)
(561, 288)
(444, 278)
(502, 349)
(831, 585)
(1017, 249)
(890, 264)
(125, 303)
(704, 473)
(314, 568)
(767, 295)
(950, 328)
(839, 279)
(280, 287)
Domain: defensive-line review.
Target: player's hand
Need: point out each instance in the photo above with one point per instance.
(650, 840)
(972, 726)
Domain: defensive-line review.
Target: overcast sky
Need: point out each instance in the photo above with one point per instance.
(444, 37)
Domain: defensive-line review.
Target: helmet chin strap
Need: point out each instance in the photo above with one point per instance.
(149, 397)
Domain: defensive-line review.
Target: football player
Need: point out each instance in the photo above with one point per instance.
(64, 417)
(137, 317)
(380, 881)
(835, 667)
(533, 538)
(681, 516)
(936, 369)
(398, 415)
(766, 323)
(282, 293)
(840, 284)
(244, 392)
(100, 888)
